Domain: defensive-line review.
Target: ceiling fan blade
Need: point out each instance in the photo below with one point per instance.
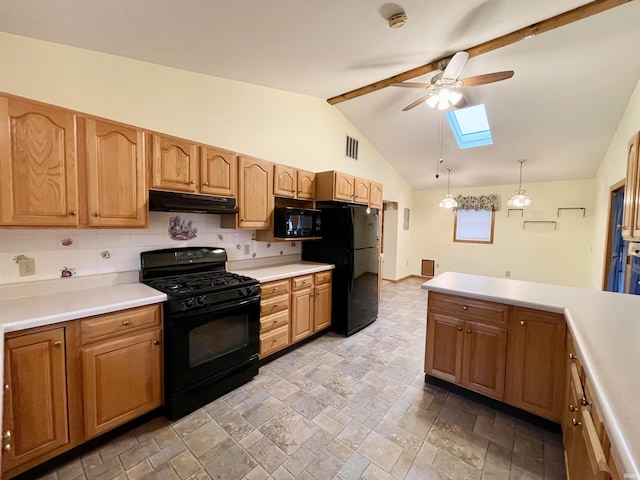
(486, 78)
(455, 66)
(417, 102)
(411, 85)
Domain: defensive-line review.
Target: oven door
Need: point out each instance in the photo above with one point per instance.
(205, 343)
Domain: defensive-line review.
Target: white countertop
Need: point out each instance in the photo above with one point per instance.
(606, 330)
(269, 273)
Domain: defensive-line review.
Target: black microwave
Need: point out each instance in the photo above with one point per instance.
(292, 222)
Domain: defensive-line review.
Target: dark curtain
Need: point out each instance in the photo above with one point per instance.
(615, 276)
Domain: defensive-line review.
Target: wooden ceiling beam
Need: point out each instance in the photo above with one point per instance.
(578, 13)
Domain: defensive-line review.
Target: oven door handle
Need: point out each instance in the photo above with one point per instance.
(233, 305)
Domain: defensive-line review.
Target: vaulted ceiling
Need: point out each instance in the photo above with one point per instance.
(559, 111)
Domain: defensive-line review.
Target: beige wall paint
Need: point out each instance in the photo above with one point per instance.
(279, 126)
(612, 169)
(536, 253)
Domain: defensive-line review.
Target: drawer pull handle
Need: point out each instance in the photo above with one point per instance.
(275, 305)
(572, 408)
(575, 422)
(465, 308)
(126, 322)
(57, 343)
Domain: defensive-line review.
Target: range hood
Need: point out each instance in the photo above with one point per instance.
(160, 201)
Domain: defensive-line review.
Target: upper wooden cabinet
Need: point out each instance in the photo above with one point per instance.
(218, 172)
(535, 377)
(38, 165)
(255, 193)
(291, 182)
(631, 213)
(333, 185)
(116, 186)
(174, 164)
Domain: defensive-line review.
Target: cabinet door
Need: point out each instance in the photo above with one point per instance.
(174, 164)
(536, 362)
(218, 172)
(485, 358)
(306, 185)
(344, 187)
(38, 165)
(122, 380)
(115, 175)
(322, 307)
(375, 200)
(362, 190)
(301, 314)
(630, 212)
(285, 181)
(35, 419)
(443, 356)
(255, 195)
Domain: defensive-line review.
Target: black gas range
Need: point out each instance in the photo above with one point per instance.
(211, 324)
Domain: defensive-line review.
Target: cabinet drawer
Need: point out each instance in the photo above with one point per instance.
(104, 326)
(277, 287)
(302, 282)
(274, 340)
(274, 321)
(274, 305)
(468, 308)
(323, 277)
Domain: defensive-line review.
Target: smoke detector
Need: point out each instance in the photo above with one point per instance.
(398, 20)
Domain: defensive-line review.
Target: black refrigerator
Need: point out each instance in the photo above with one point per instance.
(349, 241)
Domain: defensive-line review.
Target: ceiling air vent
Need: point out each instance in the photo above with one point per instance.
(351, 149)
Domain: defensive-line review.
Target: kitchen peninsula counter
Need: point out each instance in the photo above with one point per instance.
(605, 327)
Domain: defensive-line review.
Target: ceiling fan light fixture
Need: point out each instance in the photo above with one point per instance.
(519, 199)
(432, 101)
(443, 103)
(398, 20)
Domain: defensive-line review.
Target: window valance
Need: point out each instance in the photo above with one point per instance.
(481, 202)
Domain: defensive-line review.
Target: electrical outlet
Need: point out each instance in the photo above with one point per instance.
(247, 249)
(507, 273)
(27, 267)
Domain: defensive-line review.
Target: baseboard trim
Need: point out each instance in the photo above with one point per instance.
(422, 277)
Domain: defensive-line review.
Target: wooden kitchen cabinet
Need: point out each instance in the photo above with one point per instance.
(174, 164)
(36, 416)
(218, 172)
(337, 186)
(38, 165)
(322, 301)
(484, 358)
(375, 196)
(306, 185)
(274, 316)
(302, 307)
(290, 182)
(255, 193)
(536, 373)
(116, 174)
(630, 229)
(362, 190)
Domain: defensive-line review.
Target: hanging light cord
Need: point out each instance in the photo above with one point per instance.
(439, 159)
(448, 180)
(520, 181)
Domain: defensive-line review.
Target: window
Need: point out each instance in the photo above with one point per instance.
(470, 126)
(473, 226)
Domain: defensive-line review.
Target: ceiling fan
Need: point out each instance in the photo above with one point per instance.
(445, 88)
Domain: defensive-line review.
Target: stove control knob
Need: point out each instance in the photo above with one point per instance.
(188, 302)
(248, 291)
(201, 300)
(240, 292)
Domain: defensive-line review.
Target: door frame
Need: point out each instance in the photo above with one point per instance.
(620, 185)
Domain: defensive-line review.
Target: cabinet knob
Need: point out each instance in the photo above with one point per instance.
(459, 329)
(96, 214)
(126, 322)
(192, 182)
(275, 322)
(468, 331)
(6, 387)
(275, 305)
(575, 423)
(585, 402)
(7, 447)
(205, 184)
(57, 343)
(7, 434)
(522, 322)
(275, 340)
(572, 407)
(465, 308)
(572, 356)
(156, 342)
(73, 213)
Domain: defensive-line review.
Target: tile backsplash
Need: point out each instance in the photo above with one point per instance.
(95, 251)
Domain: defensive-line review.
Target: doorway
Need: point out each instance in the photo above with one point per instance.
(390, 235)
(616, 257)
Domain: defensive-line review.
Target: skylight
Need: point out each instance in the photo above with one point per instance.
(470, 126)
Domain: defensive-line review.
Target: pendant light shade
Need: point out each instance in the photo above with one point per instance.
(519, 199)
(448, 201)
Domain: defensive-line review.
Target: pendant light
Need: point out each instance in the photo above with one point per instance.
(448, 201)
(519, 199)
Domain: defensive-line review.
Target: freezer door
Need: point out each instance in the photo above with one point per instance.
(365, 227)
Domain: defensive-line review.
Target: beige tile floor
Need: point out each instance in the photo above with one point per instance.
(336, 408)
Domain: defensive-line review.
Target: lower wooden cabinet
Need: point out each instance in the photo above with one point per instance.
(484, 358)
(36, 416)
(322, 302)
(274, 316)
(67, 383)
(536, 374)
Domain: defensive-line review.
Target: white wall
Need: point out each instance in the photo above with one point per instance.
(537, 253)
(282, 127)
(612, 169)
